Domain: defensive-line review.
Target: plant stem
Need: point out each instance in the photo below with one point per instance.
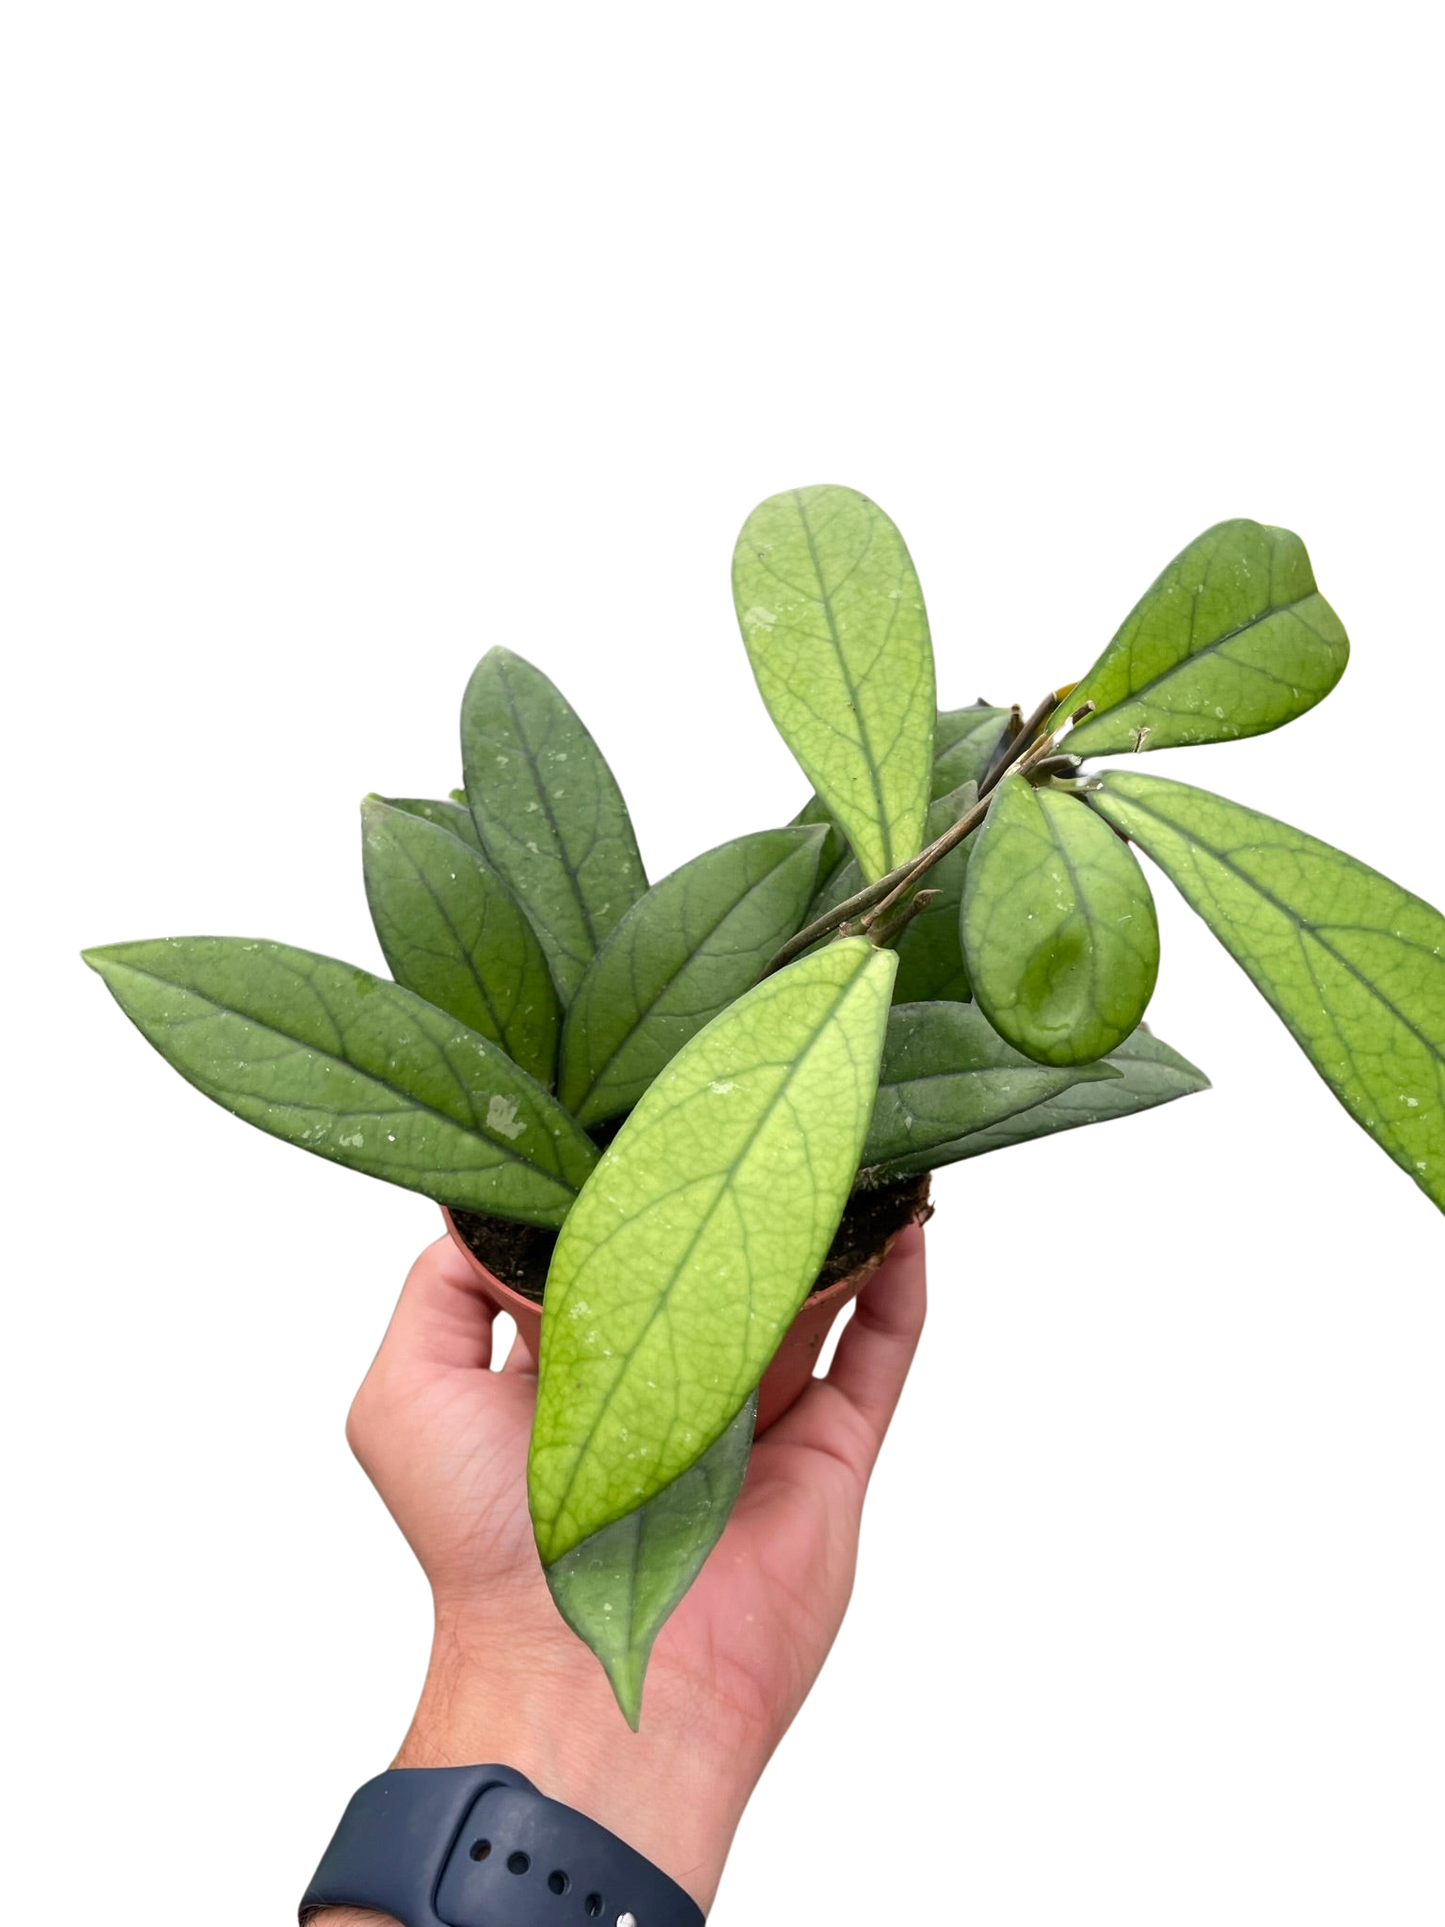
(876, 899)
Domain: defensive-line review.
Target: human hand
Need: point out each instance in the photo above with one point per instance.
(444, 1440)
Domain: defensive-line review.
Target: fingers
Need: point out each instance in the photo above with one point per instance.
(443, 1317)
(873, 1355)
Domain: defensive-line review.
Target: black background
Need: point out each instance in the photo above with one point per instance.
(1143, 1521)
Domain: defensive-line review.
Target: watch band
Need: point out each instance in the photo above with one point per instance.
(479, 1846)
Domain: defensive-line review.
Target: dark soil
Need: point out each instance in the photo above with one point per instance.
(519, 1254)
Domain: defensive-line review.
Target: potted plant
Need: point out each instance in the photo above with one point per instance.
(687, 1119)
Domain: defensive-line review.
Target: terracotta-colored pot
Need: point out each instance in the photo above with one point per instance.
(793, 1362)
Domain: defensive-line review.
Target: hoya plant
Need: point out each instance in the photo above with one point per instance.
(679, 1097)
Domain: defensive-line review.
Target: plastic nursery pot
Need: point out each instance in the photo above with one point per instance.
(795, 1359)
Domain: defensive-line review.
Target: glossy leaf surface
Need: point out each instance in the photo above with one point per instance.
(1353, 964)
(693, 944)
(548, 811)
(1232, 640)
(617, 1589)
(835, 628)
(699, 1235)
(1059, 932)
(452, 931)
(946, 1072)
(1149, 1074)
(353, 1068)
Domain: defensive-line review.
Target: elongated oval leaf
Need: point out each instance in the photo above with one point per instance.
(447, 814)
(548, 811)
(452, 931)
(698, 1236)
(835, 628)
(353, 1068)
(1059, 932)
(1149, 1074)
(617, 1589)
(683, 952)
(1232, 640)
(1353, 964)
(946, 1072)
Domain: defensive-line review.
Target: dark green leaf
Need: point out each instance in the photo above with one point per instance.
(450, 815)
(1150, 1073)
(835, 847)
(618, 1588)
(548, 811)
(353, 1068)
(930, 953)
(452, 931)
(686, 950)
(964, 742)
(1059, 931)
(946, 1072)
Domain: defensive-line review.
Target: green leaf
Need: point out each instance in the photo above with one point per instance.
(617, 1589)
(353, 1068)
(964, 743)
(449, 815)
(452, 931)
(1059, 932)
(1232, 640)
(548, 811)
(946, 1072)
(930, 953)
(833, 619)
(1150, 1073)
(701, 1232)
(686, 950)
(835, 846)
(1353, 964)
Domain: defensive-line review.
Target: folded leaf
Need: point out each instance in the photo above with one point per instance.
(833, 619)
(964, 743)
(548, 811)
(1059, 932)
(353, 1068)
(1353, 964)
(452, 931)
(1232, 640)
(683, 952)
(946, 1072)
(835, 846)
(1149, 1073)
(699, 1235)
(617, 1589)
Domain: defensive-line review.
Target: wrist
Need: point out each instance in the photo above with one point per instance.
(488, 1699)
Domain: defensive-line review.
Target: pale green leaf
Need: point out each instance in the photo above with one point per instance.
(683, 952)
(1150, 1073)
(1353, 964)
(353, 1068)
(1059, 932)
(617, 1589)
(946, 1072)
(1232, 640)
(835, 628)
(451, 930)
(699, 1235)
(548, 811)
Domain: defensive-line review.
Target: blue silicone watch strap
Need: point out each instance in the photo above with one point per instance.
(481, 1847)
